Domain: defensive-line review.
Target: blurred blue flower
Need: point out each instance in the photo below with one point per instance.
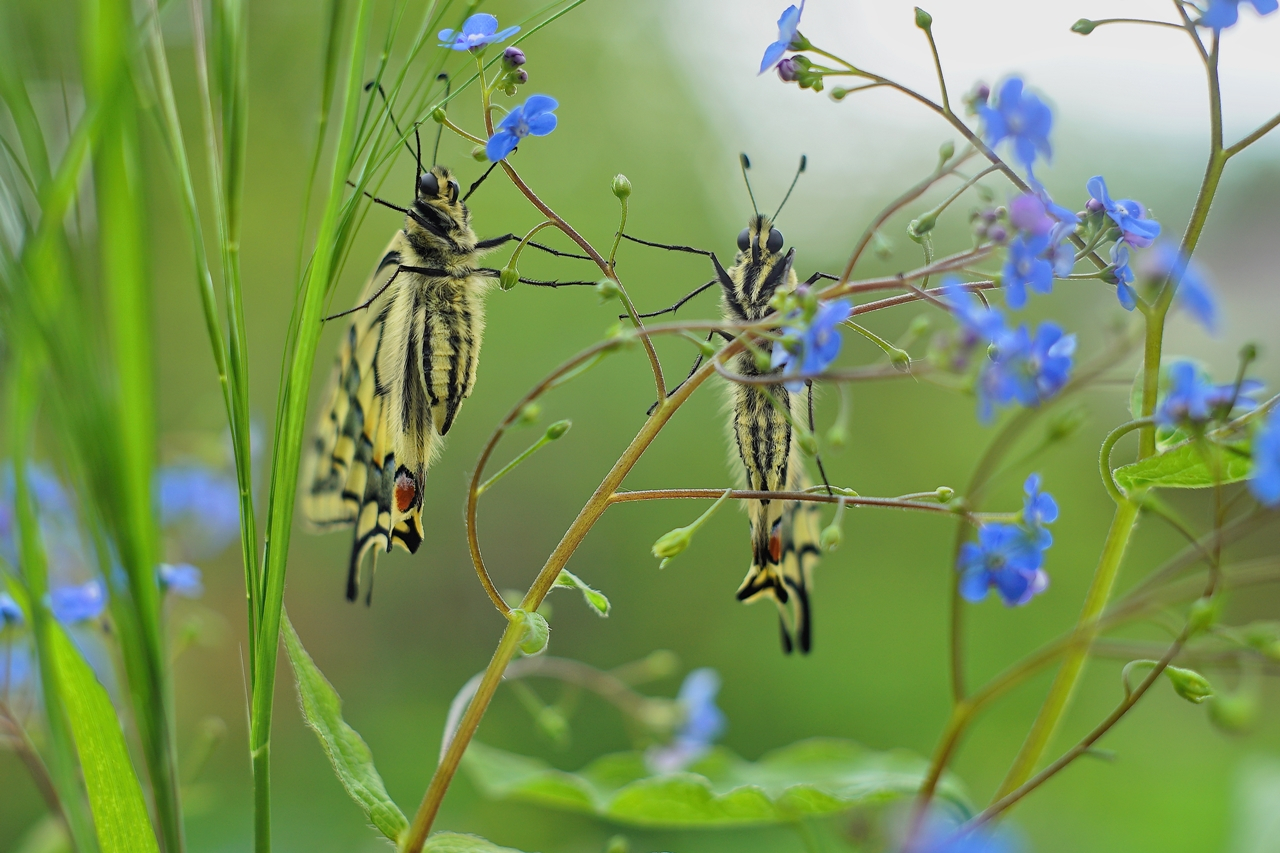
(978, 320)
(1024, 369)
(1224, 13)
(1061, 253)
(1264, 479)
(812, 348)
(78, 603)
(477, 31)
(703, 722)
(182, 579)
(202, 503)
(1224, 399)
(1129, 215)
(10, 612)
(1189, 398)
(942, 838)
(1192, 290)
(1026, 267)
(1022, 118)
(1038, 507)
(788, 25)
(15, 666)
(1124, 276)
(532, 118)
(1004, 557)
(1028, 212)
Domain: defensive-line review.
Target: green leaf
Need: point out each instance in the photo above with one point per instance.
(119, 811)
(347, 751)
(455, 842)
(595, 599)
(1185, 467)
(813, 777)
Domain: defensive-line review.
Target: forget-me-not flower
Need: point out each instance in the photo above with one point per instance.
(79, 603)
(1038, 509)
(10, 612)
(1124, 276)
(1006, 558)
(1192, 290)
(978, 320)
(812, 348)
(1024, 369)
(1189, 398)
(181, 579)
(532, 118)
(203, 503)
(1264, 479)
(1224, 13)
(788, 25)
(1137, 230)
(1026, 267)
(1022, 118)
(477, 31)
(702, 723)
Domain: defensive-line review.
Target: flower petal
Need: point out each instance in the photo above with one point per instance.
(542, 124)
(537, 105)
(480, 24)
(500, 145)
(772, 54)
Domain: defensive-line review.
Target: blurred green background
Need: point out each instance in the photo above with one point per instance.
(635, 100)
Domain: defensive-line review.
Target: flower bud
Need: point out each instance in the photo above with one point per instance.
(558, 429)
(1249, 353)
(832, 537)
(536, 631)
(997, 234)
(520, 77)
(1203, 615)
(900, 358)
(513, 57)
(762, 360)
(621, 186)
(838, 436)
(1094, 206)
(437, 115)
(805, 441)
(1084, 26)
(661, 663)
(947, 151)
(1189, 684)
(789, 71)
(1265, 637)
(919, 227)
(945, 494)
(479, 155)
(607, 289)
(529, 414)
(672, 543)
(923, 19)
(882, 246)
(1236, 713)
(508, 278)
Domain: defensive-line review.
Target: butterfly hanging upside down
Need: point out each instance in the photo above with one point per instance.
(405, 366)
(784, 534)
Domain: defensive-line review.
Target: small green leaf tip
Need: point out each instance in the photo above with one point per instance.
(1189, 684)
(508, 278)
(536, 632)
(1084, 26)
(923, 19)
(558, 429)
(621, 186)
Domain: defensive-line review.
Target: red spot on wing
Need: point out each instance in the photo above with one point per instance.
(775, 542)
(406, 491)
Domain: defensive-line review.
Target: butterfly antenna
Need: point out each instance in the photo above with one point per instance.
(804, 161)
(746, 164)
(374, 83)
(435, 154)
(477, 184)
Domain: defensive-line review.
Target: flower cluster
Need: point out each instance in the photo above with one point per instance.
(1225, 13)
(789, 38)
(810, 340)
(1041, 250)
(1010, 557)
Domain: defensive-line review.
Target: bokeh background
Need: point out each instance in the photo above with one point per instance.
(666, 92)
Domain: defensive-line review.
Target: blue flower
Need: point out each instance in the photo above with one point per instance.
(202, 503)
(980, 321)
(1025, 370)
(788, 24)
(1038, 508)
(1224, 13)
(10, 612)
(1005, 557)
(1026, 267)
(182, 579)
(1192, 290)
(1137, 230)
(82, 603)
(532, 118)
(702, 722)
(477, 31)
(15, 667)
(943, 839)
(1224, 399)
(1189, 398)
(1264, 480)
(812, 348)
(1124, 276)
(1028, 212)
(1022, 118)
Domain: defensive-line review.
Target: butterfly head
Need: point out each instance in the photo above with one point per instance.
(759, 242)
(438, 216)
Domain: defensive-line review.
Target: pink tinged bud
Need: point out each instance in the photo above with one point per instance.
(1027, 213)
(521, 77)
(513, 57)
(981, 93)
(788, 71)
(997, 234)
(1094, 206)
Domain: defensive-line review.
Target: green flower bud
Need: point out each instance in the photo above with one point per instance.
(1249, 352)
(536, 631)
(508, 278)
(1189, 684)
(837, 94)
(1236, 713)
(923, 19)
(607, 289)
(1203, 615)
(1084, 26)
(672, 543)
(1065, 424)
(838, 436)
(621, 186)
(901, 359)
(529, 414)
(919, 227)
(945, 494)
(437, 115)
(807, 443)
(661, 663)
(762, 360)
(1265, 637)
(832, 537)
(948, 149)
(707, 348)
(558, 429)
(882, 246)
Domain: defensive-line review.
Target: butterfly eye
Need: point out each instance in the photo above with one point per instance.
(775, 240)
(453, 192)
(428, 185)
(744, 239)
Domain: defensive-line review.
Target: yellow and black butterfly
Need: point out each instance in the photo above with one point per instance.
(405, 365)
(784, 534)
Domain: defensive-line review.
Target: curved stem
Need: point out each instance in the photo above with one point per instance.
(1104, 456)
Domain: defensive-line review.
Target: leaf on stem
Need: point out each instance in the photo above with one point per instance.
(595, 599)
(348, 753)
(1187, 466)
(456, 842)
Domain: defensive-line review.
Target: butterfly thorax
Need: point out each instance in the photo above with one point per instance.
(438, 225)
(759, 270)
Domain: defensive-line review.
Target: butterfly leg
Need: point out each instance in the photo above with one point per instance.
(817, 457)
(676, 307)
(381, 290)
(819, 276)
(495, 242)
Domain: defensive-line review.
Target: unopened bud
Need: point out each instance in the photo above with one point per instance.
(1084, 26)
(832, 537)
(558, 429)
(607, 289)
(923, 19)
(513, 57)
(789, 71)
(900, 358)
(1235, 714)
(536, 631)
(762, 360)
(520, 77)
(1189, 684)
(672, 543)
(919, 227)
(1249, 353)
(1094, 206)
(920, 325)
(529, 414)
(508, 278)
(621, 186)
(437, 115)
(617, 844)
(947, 151)
(945, 494)
(479, 154)
(838, 436)
(882, 246)
(661, 663)
(997, 234)
(1265, 637)
(1203, 615)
